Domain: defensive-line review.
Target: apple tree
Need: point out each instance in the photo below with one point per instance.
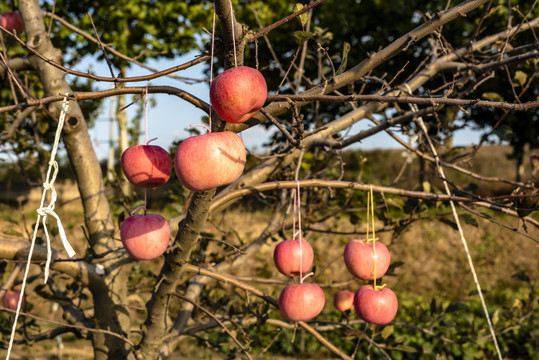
(418, 71)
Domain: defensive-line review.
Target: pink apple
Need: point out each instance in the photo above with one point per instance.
(207, 161)
(301, 302)
(376, 306)
(12, 22)
(11, 299)
(359, 259)
(145, 237)
(238, 93)
(343, 300)
(146, 165)
(287, 255)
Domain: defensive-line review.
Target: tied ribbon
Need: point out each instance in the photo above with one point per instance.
(48, 185)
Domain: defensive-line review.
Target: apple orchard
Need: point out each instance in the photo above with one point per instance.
(308, 247)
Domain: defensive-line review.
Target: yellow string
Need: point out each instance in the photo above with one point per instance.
(370, 221)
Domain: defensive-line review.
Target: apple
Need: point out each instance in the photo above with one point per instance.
(287, 257)
(207, 161)
(12, 22)
(146, 165)
(344, 300)
(359, 259)
(301, 302)
(238, 93)
(376, 306)
(11, 299)
(145, 237)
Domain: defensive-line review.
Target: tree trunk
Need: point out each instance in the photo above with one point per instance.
(109, 290)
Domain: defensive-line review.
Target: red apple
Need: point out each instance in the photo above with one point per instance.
(146, 165)
(301, 302)
(207, 161)
(145, 237)
(238, 93)
(287, 257)
(12, 22)
(344, 300)
(359, 259)
(11, 299)
(376, 306)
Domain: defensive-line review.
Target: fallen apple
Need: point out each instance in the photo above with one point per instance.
(12, 22)
(288, 256)
(376, 306)
(238, 93)
(146, 165)
(207, 161)
(145, 237)
(343, 300)
(301, 302)
(359, 259)
(11, 299)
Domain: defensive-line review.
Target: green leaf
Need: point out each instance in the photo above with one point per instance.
(469, 219)
(495, 317)
(302, 36)
(388, 331)
(450, 223)
(345, 50)
(521, 276)
(492, 96)
(520, 78)
(303, 18)
(395, 202)
(456, 306)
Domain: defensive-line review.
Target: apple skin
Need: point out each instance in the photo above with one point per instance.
(238, 93)
(146, 165)
(301, 302)
(12, 21)
(145, 237)
(207, 161)
(344, 300)
(359, 259)
(11, 299)
(287, 255)
(376, 306)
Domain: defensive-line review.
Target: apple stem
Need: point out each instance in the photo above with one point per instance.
(305, 277)
(204, 125)
(149, 141)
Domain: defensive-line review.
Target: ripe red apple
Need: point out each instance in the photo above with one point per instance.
(301, 302)
(238, 93)
(344, 300)
(287, 257)
(12, 21)
(145, 237)
(11, 299)
(207, 161)
(146, 165)
(376, 306)
(359, 259)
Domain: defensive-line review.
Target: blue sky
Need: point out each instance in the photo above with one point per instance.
(171, 116)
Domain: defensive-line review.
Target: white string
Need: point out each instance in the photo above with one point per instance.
(43, 212)
(459, 227)
(233, 35)
(211, 60)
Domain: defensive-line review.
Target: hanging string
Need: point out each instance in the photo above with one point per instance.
(211, 60)
(146, 117)
(370, 223)
(43, 212)
(233, 35)
(298, 201)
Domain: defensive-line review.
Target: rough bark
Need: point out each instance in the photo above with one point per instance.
(111, 289)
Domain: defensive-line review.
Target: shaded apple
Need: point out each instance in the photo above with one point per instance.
(238, 93)
(145, 237)
(12, 22)
(301, 302)
(146, 165)
(376, 306)
(11, 299)
(287, 255)
(344, 300)
(359, 259)
(207, 161)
